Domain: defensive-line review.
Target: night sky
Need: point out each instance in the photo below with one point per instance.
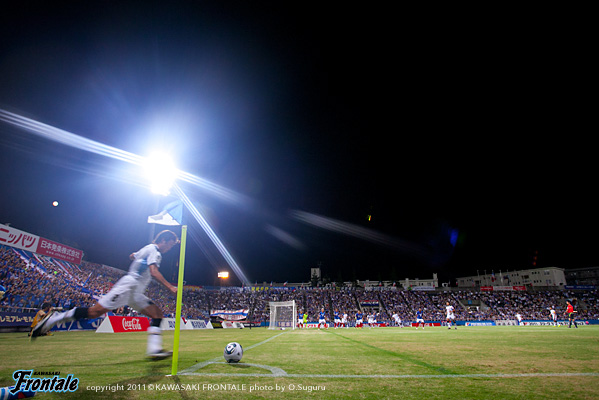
(468, 143)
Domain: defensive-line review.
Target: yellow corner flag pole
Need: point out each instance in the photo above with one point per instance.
(179, 300)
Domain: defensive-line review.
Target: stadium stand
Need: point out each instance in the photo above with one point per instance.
(31, 280)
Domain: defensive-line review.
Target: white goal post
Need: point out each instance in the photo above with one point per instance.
(283, 315)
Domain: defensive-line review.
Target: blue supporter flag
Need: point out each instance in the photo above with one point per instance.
(171, 215)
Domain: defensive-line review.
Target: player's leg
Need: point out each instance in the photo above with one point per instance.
(154, 348)
(147, 307)
(115, 298)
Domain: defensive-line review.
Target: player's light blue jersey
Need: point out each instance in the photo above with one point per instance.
(146, 256)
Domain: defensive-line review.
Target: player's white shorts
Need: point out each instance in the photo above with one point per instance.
(419, 320)
(322, 321)
(344, 321)
(450, 316)
(337, 321)
(359, 321)
(126, 292)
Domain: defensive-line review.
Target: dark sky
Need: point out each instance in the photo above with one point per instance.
(432, 125)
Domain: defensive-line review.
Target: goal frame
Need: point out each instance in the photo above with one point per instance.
(276, 319)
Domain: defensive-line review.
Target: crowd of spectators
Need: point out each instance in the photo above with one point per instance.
(32, 280)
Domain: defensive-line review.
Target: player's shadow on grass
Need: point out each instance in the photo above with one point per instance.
(240, 365)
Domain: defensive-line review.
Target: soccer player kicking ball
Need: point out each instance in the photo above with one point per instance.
(129, 290)
(450, 316)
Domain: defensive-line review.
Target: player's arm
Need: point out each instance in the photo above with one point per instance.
(158, 276)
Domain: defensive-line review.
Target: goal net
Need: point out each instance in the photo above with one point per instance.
(283, 314)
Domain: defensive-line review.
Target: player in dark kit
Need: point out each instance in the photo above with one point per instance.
(571, 311)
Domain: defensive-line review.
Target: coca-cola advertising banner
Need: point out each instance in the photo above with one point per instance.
(36, 244)
(116, 324)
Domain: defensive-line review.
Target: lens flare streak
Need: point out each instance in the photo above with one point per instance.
(213, 237)
(358, 232)
(68, 138)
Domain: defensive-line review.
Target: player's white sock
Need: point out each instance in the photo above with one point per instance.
(154, 339)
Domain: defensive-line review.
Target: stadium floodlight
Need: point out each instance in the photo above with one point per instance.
(223, 275)
(161, 172)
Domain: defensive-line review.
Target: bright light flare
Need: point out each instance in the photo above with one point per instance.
(76, 141)
(223, 275)
(161, 172)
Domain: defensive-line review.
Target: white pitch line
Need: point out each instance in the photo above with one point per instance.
(444, 376)
(190, 370)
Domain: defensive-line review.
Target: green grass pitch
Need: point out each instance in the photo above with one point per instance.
(382, 363)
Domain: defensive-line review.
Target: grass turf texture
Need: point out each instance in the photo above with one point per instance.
(411, 364)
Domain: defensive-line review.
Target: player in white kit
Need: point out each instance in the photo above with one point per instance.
(397, 320)
(344, 320)
(370, 318)
(553, 316)
(519, 318)
(129, 290)
(450, 316)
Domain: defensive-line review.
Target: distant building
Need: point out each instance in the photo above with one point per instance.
(407, 283)
(551, 276)
(583, 276)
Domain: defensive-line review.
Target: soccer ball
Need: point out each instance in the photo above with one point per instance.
(233, 352)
